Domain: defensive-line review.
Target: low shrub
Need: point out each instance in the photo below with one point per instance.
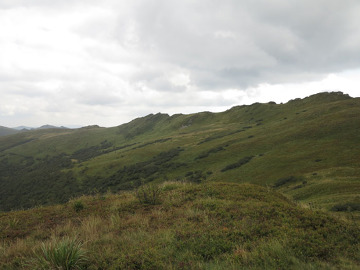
(237, 164)
(211, 151)
(286, 180)
(346, 207)
(195, 177)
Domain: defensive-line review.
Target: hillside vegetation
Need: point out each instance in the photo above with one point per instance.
(307, 148)
(187, 226)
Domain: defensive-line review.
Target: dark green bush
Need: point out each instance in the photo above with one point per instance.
(195, 177)
(286, 180)
(152, 142)
(220, 135)
(211, 151)
(346, 207)
(129, 176)
(91, 152)
(237, 164)
(149, 194)
(78, 206)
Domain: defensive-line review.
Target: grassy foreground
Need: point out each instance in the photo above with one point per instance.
(183, 226)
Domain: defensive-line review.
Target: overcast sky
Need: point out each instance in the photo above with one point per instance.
(82, 62)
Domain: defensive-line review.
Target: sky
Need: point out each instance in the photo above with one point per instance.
(85, 62)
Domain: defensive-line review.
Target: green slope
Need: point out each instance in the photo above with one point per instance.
(307, 148)
(205, 226)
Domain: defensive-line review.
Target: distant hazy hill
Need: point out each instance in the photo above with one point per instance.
(50, 126)
(307, 148)
(42, 127)
(23, 128)
(7, 131)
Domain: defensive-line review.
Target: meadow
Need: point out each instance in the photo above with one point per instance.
(187, 226)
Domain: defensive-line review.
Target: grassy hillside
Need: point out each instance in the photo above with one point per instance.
(307, 148)
(187, 226)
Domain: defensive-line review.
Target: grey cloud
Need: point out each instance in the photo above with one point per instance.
(269, 41)
(235, 44)
(98, 99)
(163, 84)
(155, 78)
(92, 93)
(227, 44)
(54, 4)
(117, 50)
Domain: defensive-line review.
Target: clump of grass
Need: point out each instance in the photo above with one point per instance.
(149, 194)
(12, 254)
(92, 227)
(173, 185)
(78, 206)
(66, 254)
(115, 220)
(13, 223)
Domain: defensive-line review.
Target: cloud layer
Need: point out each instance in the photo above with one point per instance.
(109, 61)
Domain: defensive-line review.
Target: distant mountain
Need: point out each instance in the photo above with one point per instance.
(23, 128)
(7, 131)
(306, 148)
(42, 127)
(201, 209)
(50, 126)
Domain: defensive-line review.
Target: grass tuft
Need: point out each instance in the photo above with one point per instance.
(149, 194)
(65, 254)
(78, 206)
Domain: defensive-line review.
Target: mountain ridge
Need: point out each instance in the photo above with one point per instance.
(309, 141)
